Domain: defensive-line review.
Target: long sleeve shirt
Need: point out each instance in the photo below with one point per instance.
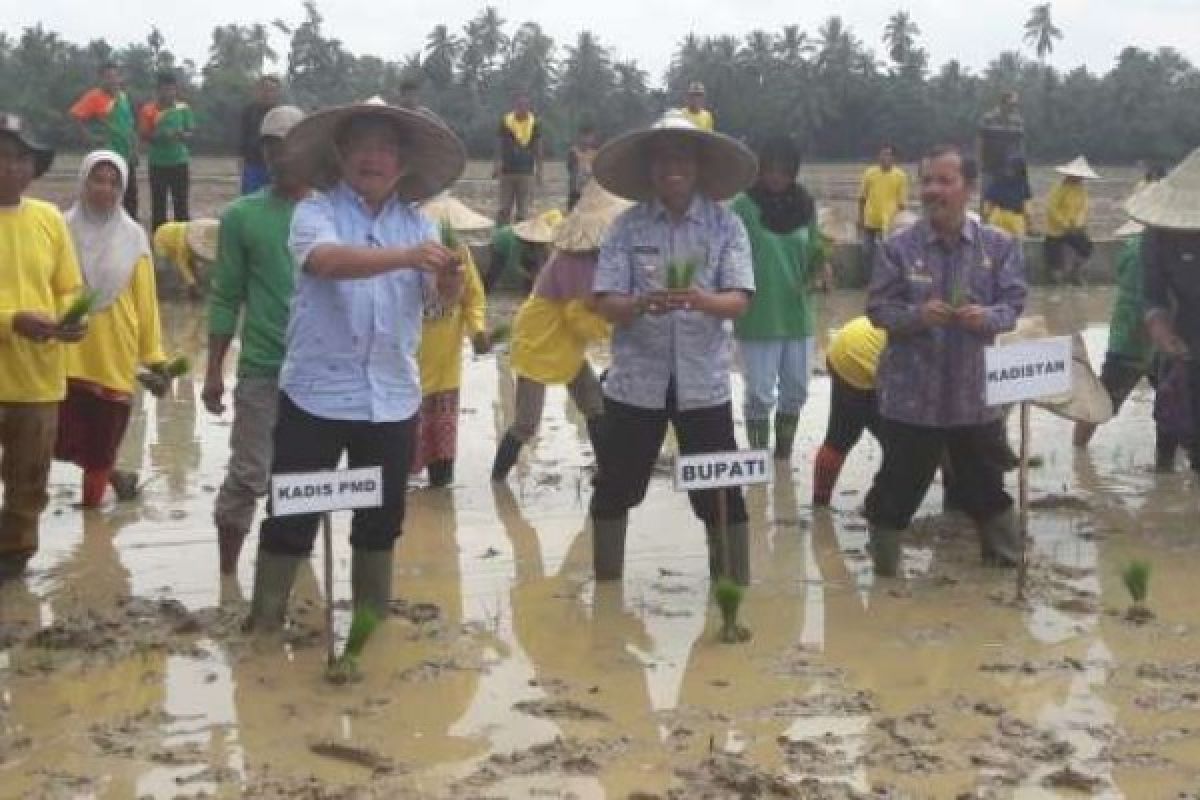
(1171, 272)
(934, 377)
(1066, 209)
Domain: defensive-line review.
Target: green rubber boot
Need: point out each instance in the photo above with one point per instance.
(738, 534)
(785, 435)
(608, 547)
(758, 433)
(274, 575)
(371, 580)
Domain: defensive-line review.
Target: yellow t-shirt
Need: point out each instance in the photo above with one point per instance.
(854, 352)
(702, 119)
(550, 337)
(170, 242)
(120, 337)
(883, 193)
(1066, 208)
(38, 272)
(440, 353)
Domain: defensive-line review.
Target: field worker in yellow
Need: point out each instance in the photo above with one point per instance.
(695, 107)
(883, 193)
(1066, 223)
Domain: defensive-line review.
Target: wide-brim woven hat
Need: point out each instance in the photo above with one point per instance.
(585, 226)
(1174, 201)
(1131, 227)
(540, 229)
(449, 210)
(434, 156)
(726, 166)
(201, 237)
(1088, 400)
(43, 155)
(1078, 168)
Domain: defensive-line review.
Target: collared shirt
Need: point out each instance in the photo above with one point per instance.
(934, 377)
(690, 347)
(352, 344)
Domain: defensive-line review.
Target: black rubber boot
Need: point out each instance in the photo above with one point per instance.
(608, 547)
(506, 456)
(441, 473)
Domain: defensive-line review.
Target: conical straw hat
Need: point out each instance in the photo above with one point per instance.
(584, 227)
(448, 209)
(1079, 168)
(1174, 201)
(540, 229)
(201, 237)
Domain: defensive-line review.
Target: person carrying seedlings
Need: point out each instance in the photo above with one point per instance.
(252, 286)
(521, 249)
(39, 283)
(775, 333)
(671, 349)
(555, 325)
(440, 353)
(1170, 210)
(124, 330)
(1066, 223)
(368, 261)
(942, 289)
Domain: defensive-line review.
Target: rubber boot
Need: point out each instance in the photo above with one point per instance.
(506, 456)
(371, 580)
(608, 547)
(95, 483)
(229, 548)
(274, 575)
(785, 435)
(441, 473)
(738, 534)
(12, 565)
(885, 550)
(125, 485)
(827, 466)
(758, 433)
(1000, 540)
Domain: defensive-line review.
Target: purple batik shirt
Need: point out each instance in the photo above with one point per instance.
(934, 377)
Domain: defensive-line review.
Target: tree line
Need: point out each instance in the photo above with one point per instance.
(831, 89)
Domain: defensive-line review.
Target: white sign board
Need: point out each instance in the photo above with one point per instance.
(722, 470)
(1029, 370)
(317, 492)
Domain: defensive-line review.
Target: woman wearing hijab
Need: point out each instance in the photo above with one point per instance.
(775, 333)
(124, 328)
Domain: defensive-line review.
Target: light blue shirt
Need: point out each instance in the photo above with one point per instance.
(352, 344)
(690, 347)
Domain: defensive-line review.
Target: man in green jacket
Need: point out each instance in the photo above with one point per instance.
(253, 280)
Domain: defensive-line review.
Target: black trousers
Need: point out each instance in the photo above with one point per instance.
(851, 411)
(633, 438)
(911, 455)
(130, 199)
(1054, 249)
(173, 180)
(307, 443)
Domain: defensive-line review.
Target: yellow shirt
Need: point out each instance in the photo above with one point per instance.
(440, 352)
(702, 119)
(883, 194)
(120, 337)
(854, 352)
(38, 272)
(1066, 208)
(550, 337)
(170, 242)
(1005, 220)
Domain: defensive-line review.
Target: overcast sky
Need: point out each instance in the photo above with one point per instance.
(645, 30)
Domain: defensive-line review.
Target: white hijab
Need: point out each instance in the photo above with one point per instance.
(108, 245)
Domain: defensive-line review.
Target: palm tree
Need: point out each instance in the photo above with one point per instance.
(1040, 31)
(900, 35)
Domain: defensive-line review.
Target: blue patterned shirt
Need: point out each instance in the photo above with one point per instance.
(352, 344)
(934, 377)
(691, 347)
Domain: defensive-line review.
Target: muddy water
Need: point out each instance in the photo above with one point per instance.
(508, 673)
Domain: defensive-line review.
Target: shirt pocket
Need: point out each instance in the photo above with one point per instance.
(648, 270)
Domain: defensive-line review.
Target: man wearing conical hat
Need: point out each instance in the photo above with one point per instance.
(1066, 223)
(252, 285)
(674, 270)
(1170, 210)
(368, 263)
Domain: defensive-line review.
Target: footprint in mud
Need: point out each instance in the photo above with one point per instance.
(559, 709)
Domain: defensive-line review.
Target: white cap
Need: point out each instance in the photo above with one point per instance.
(279, 120)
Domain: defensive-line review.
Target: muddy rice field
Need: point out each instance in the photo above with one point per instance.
(506, 672)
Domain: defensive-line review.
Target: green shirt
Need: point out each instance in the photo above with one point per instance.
(782, 265)
(163, 125)
(506, 247)
(1126, 333)
(254, 277)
